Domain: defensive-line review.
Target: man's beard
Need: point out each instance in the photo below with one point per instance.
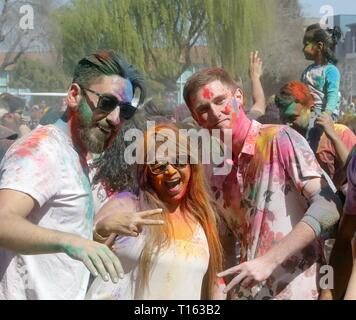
(87, 130)
(92, 142)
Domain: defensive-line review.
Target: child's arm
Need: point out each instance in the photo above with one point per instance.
(258, 95)
(332, 76)
(341, 149)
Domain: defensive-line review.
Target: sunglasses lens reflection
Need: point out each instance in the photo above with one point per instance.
(127, 111)
(107, 103)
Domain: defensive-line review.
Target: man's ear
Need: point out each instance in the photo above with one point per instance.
(73, 96)
(194, 115)
(239, 96)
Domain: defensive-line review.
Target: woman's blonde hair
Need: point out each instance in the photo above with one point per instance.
(196, 205)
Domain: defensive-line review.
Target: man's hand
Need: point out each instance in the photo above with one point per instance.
(326, 122)
(255, 68)
(114, 220)
(249, 273)
(97, 257)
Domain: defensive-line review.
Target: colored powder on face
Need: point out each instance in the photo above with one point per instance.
(228, 108)
(235, 112)
(123, 89)
(290, 110)
(85, 112)
(304, 118)
(235, 105)
(234, 119)
(207, 94)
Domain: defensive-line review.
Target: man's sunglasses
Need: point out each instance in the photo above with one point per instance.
(108, 102)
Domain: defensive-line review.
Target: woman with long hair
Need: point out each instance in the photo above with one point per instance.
(179, 258)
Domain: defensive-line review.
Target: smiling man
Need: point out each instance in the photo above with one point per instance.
(276, 201)
(46, 203)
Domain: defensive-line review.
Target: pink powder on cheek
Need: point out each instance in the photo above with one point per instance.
(234, 119)
(228, 108)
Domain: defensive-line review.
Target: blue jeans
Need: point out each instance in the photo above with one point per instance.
(314, 131)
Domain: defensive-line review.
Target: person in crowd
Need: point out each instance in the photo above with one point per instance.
(160, 261)
(276, 199)
(7, 138)
(46, 203)
(35, 116)
(349, 120)
(343, 254)
(322, 76)
(295, 103)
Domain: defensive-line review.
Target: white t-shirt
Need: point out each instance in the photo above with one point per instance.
(176, 274)
(46, 166)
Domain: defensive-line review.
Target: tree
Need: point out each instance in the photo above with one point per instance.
(38, 77)
(235, 28)
(158, 36)
(282, 56)
(23, 27)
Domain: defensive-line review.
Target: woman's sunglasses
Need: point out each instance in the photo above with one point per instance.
(108, 102)
(162, 167)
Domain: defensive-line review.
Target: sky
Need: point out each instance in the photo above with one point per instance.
(311, 8)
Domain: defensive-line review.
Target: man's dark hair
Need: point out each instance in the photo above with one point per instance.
(108, 63)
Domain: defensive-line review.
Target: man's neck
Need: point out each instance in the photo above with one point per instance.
(239, 132)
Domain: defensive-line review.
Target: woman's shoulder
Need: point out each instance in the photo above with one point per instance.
(126, 198)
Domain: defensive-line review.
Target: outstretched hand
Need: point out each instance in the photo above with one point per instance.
(249, 273)
(256, 66)
(97, 257)
(116, 221)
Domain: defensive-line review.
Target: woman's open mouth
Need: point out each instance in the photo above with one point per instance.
(173, 185)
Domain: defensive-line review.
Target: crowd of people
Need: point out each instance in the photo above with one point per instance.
(80, 220)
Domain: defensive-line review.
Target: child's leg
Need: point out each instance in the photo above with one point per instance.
(314, 132)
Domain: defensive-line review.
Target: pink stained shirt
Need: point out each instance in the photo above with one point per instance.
(263, 202)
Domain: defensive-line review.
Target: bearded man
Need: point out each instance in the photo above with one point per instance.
(46, 202)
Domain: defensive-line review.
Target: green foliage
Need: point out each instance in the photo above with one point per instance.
(154, 35)
(86, 26)
(237, 27)
(158, 35)
(38, 77)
